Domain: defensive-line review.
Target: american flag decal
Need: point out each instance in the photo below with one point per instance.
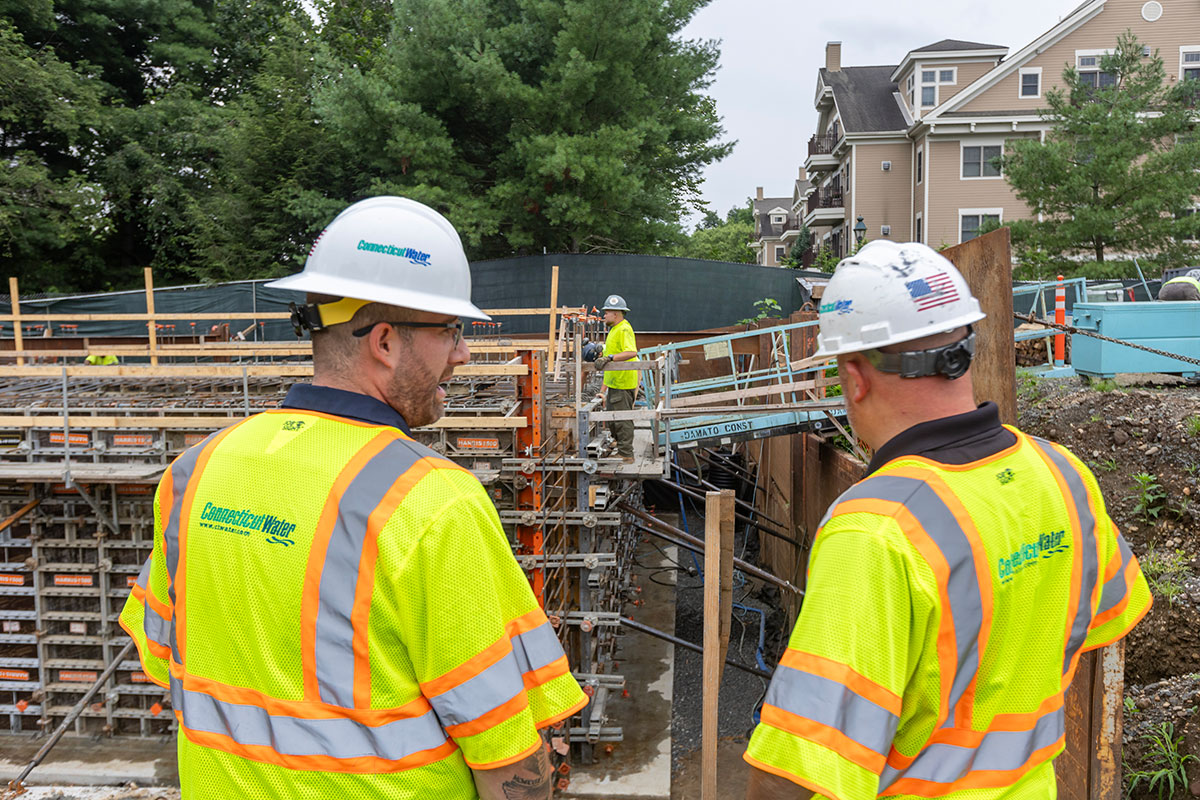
(936, 290)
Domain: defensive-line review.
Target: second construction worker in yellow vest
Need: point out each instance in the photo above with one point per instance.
(951, 591)
(1184, 287)
(335, 608)
(620, 385)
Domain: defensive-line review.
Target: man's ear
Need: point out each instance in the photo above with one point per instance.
(857, 378)
(383, 345)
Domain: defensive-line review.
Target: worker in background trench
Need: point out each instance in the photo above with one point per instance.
(952, 590)
(1184, 287)
(98, 360)
(334, 607)
(620, 385)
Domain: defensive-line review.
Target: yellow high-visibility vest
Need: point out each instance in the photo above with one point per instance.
(337, 612)
(620, 339)
(974, 589)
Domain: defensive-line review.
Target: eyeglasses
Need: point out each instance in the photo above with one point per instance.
(456, 326)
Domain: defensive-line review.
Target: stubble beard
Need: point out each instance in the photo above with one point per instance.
(412, 391)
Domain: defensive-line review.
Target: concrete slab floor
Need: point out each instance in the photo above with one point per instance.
(640, 766)
(78, 762)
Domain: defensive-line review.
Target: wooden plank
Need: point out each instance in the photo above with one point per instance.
(757, 391)
(181, 371)
(20, 512)
(712, 646)
(14, 295)
(726, 573)
(553, 309)
(216, 421)
(986, 264)
(151, 325)
(134, 317)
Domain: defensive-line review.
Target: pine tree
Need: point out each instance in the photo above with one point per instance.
(1117, 172)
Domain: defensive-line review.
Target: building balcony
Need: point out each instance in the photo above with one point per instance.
(825, 207)
(820, 153)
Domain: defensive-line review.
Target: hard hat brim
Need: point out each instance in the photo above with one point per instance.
(361, 290)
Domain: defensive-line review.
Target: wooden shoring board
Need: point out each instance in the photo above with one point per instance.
(215, 421)
(232, 315)
(184, 371)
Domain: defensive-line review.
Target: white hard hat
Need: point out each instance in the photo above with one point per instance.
(389, 250)
(615, 303)
(888, 293)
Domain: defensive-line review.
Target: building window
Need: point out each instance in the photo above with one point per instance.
(928, 96)
(780, 254)
(1189, 59)
(981, 161)
(1088, 65)
(920, 237)
(920, 165)
(777, 220)
(909, 89)
(1031, 82)
(946, 76)
(970, 223)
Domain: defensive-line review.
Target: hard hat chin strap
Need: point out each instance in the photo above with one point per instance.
(951, 360)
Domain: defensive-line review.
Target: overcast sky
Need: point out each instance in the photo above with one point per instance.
(771, 51)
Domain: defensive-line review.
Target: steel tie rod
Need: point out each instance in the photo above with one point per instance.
(690, 542)
(675, 640)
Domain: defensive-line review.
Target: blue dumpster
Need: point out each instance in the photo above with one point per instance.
(1173, 327)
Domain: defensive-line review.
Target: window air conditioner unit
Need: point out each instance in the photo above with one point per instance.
(887, 166)
(885, 230)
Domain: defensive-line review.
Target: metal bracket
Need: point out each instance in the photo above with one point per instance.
(571, 560)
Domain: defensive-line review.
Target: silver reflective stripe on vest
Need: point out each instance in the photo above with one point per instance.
(963, 589)
(181, 476)
(473, 698)
(295, 736)
(156, 627)
(1085, 540)
(536, 648)
(999, 750)
(143, 578)
(832, 704)
(1115, 590)
(339, 574)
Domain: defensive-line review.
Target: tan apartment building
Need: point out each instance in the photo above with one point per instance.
(777, 223)
(912, 148)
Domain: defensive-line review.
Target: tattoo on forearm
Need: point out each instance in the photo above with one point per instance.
(519, 788)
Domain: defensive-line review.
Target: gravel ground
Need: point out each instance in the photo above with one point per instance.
(127, 792)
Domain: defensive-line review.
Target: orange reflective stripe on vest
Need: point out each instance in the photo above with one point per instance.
(1086, 566)
(963, 619)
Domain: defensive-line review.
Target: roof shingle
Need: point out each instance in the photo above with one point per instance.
(865, 96)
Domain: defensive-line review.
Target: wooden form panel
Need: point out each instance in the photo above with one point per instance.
(986, 263)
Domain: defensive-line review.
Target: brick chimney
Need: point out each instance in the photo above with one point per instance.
(833, 56)
(758, 193)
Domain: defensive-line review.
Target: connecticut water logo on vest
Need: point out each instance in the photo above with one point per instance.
(1030, 554)
(244, 522)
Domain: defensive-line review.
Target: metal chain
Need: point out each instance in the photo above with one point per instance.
(1094, 335)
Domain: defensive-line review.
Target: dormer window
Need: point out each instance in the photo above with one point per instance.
(931, 79)
(777, 219)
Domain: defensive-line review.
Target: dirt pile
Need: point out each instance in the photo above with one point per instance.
(1143, 444)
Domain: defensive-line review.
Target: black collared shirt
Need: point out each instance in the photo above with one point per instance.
(341, 403)
(960, 439)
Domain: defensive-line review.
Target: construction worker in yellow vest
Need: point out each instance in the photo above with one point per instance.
(1184, 287)
(620, 385)
(335, 608)
(97, 360)
(950, 592)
